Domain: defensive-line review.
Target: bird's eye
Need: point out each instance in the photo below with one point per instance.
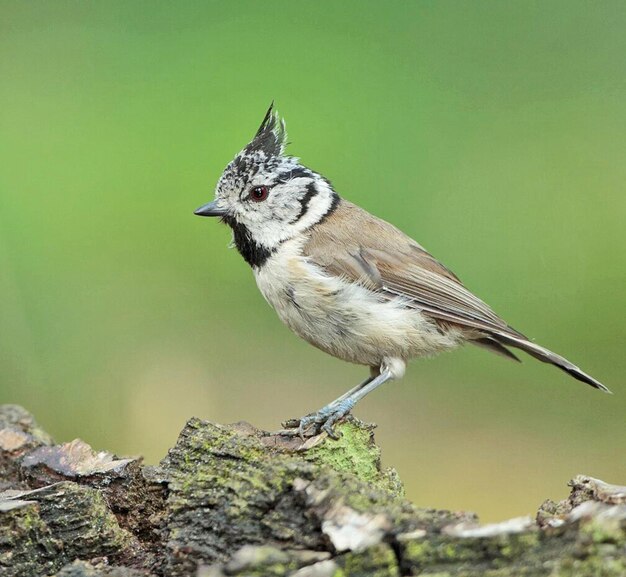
(259, 193)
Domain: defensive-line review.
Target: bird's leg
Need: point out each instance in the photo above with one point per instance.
(374, 372)
(303, 423)
(326, 417)
(342, 408)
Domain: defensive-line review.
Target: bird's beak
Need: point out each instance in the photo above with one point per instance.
(210, 209)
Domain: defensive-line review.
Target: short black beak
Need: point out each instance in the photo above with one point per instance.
(210, 209)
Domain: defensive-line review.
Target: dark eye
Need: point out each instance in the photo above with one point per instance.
(259, 193)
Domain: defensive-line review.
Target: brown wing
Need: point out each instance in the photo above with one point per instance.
(362, 248)
(354, 244)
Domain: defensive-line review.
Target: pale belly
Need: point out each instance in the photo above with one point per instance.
(345, 319)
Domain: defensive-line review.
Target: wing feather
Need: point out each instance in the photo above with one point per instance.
(362, 248)
(353, 244)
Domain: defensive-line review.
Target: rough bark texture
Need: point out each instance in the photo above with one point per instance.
(232, 501)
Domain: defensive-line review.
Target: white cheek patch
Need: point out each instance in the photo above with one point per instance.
(287, 200)
(291, 208)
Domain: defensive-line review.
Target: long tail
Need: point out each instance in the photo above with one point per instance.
(547, 356)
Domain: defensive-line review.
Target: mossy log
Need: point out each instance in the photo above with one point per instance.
(232, 501)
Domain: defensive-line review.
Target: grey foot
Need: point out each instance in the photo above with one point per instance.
(323, 420)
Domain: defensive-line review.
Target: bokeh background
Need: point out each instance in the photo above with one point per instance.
(492, 132)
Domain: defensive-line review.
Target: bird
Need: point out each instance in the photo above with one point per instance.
(346, 281)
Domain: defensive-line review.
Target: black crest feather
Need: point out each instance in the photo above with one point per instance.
(271, 135)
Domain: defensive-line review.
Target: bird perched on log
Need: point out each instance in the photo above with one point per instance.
(346, 281)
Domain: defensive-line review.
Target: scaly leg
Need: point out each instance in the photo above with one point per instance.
(305, 422)
(326, 417)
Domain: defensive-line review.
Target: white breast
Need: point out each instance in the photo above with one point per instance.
(343, 318)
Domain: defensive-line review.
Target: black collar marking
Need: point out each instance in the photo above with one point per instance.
(253, 253)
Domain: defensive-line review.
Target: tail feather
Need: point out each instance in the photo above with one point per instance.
(547, 356)
(495, 347)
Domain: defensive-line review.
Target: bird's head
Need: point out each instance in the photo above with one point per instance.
(267, 197)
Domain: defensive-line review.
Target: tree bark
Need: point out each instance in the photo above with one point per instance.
(233, 500)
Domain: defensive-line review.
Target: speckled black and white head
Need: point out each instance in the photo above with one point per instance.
(267, 197)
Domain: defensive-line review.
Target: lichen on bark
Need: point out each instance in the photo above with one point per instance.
(232, 501)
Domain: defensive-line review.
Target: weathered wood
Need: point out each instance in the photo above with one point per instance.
(232, 501)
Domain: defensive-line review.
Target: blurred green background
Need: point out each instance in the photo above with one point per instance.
(492, 132)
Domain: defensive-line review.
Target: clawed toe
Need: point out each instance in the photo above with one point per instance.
(298, 428)
(309, 425)
(291, 423)
(323, 420)
(329, 427)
